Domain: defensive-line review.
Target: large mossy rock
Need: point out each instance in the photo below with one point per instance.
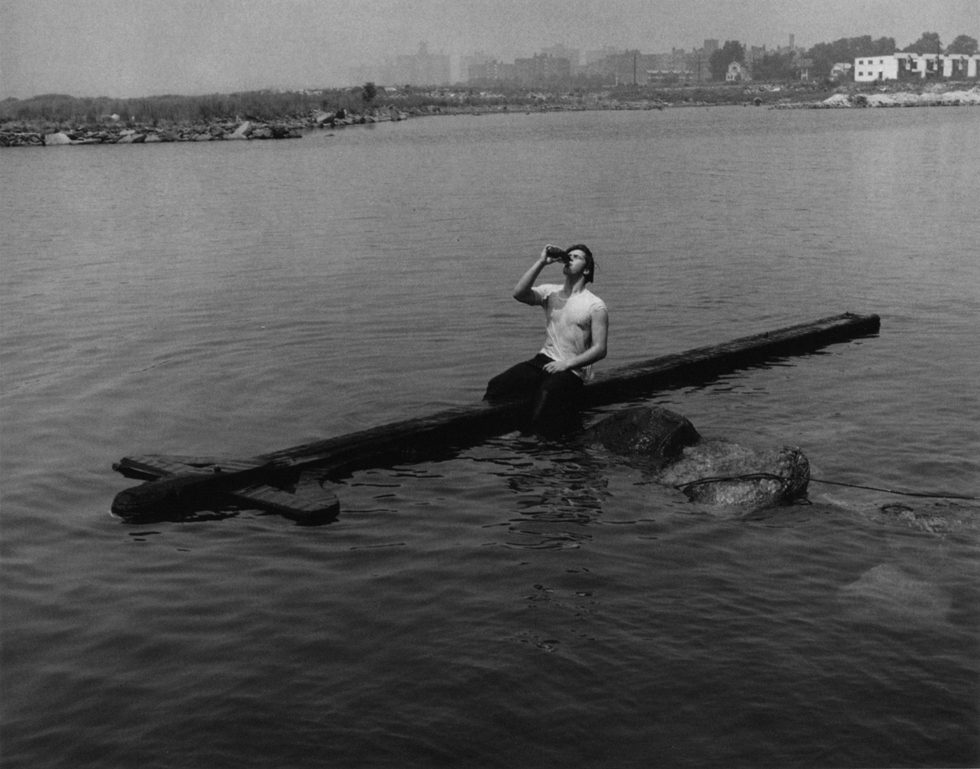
(651, 432)
(718, 472)
(714, 472)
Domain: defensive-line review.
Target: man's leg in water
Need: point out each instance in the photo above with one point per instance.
(557, 398)
(557, 403)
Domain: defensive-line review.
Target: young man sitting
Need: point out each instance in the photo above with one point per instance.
(577, 323)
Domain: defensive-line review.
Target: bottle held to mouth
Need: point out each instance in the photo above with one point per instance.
(558, 254)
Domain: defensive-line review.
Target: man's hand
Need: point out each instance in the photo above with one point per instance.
(522, 291)
(556, 366)
(548, 258)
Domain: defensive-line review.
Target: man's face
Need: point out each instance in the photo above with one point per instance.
(576, 263)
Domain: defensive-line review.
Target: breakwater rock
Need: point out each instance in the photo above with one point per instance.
(713, 472)
(143, 134)
(111, 131)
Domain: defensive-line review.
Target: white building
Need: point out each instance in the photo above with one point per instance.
(901, 66)
(869, 70)
(737, 73)
(961, 65)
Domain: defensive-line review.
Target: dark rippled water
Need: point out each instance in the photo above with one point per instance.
(518, 603)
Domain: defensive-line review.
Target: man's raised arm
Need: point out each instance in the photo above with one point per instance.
(522, 291)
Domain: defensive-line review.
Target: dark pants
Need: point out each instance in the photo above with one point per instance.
(555, 399)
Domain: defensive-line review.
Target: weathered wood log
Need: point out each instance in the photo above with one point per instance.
(445, 431)
(704, 363)
(469, 424)
(180, 485)
(181, 491)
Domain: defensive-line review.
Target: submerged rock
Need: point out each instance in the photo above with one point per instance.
(938, 517)
(886, 592)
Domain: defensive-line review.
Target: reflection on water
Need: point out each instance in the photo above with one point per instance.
(558, 497)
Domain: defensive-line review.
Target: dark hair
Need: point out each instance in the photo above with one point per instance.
(589, 261)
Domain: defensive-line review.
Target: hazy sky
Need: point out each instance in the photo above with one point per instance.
(143, 47)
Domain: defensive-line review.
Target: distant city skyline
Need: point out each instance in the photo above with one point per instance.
(130, 48)
(403, 67)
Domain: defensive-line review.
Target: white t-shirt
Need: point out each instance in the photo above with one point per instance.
(569, 328)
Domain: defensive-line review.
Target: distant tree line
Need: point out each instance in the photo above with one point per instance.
(962, 44)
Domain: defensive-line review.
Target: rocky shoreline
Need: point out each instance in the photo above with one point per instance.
(114, 131)
(888, 97)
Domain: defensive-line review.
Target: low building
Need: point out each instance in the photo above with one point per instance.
(961, 66)
(841, 70)
(805, 65)
(737, 73)
(669, 76)
(870, 69)
(908, 66)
